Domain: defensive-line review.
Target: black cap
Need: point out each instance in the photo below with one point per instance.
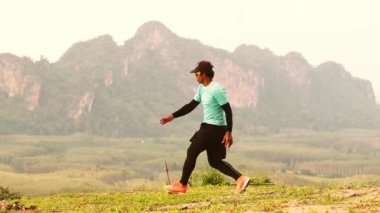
(204, 67)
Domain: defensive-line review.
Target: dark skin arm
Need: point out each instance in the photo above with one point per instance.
(166, 119)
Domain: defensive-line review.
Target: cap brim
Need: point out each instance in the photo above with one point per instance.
(193, 71)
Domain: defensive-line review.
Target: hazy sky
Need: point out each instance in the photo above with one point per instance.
(344, 31)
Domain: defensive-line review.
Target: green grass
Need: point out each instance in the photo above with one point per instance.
(269, 198)
(40, 165)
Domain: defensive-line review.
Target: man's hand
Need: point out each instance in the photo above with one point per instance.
(166, 119)
(227, 139)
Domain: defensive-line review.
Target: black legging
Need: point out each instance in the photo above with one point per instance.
(208, 138)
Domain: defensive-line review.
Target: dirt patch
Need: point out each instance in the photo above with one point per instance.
(359, 200)
(317, 209)
(15, 206)
(350, 193)
(184, 206)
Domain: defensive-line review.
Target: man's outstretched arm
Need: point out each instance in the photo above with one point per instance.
(186, 109)
(181, 112)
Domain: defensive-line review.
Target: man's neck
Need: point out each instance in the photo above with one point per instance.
(206, 82)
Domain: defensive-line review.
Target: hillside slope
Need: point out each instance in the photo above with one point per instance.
(100, 87)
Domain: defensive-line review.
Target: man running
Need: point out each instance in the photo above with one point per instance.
(215, 133)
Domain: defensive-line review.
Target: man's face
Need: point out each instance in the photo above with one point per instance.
(200, 77)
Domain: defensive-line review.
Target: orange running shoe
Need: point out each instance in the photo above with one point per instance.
(241, 184)
(176, 188)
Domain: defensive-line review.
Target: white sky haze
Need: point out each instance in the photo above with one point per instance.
(344, 31)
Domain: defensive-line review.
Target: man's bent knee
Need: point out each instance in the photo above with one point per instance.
(214, 163)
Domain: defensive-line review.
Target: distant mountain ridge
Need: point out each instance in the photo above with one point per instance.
(102, 88)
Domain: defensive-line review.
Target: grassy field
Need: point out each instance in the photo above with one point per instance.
(273, 198)
(40, 165)
(310, 171)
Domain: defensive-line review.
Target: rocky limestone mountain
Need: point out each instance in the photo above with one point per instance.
(100, 87)
(16, 81)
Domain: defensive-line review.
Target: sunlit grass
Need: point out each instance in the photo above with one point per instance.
(39, 165)
(205, 198)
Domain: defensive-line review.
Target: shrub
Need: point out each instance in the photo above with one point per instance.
(207, 177)
(260, 179)
(5, 194)
(213, 177)
(306, 172)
